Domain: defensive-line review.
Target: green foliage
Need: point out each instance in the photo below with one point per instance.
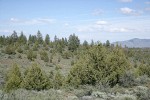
(20, 50)
(10, 49)
(39, 37)
(72, 62)
(2, 40)
(26, 47)
(13, 78)
(117, 63)
(85, 44)
(127, 79)
(35, 47)
(44, 56)
(98, 65)
(32, 39)
(14, 37)
(31, 55)
(73, 42)
(58, 80)
(107, 43)
(66, 55)
(35, 79)
(47, 39)
(22, 39)
(144, 70)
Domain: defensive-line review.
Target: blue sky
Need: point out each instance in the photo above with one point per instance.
(100, 20)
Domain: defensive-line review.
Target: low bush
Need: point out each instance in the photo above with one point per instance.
(127, 79)
(31, 55)
(20, 50)
(44, 56)
(35, 79)
(10, 50)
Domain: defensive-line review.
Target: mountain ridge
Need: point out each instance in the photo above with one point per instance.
(134, 43)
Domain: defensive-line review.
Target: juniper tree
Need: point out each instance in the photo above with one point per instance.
(35, 79)
(13, 78)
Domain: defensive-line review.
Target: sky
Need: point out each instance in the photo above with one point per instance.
(100, 20)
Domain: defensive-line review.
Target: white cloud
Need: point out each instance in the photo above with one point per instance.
(148, 2)
(126, 10)
(147, 9)
(129, 11)
(98, 12)
(31, 21)
(93, 27)
(117, 29)
(5, 31)
(125, 1)
(101, 22)
(66, 24)
(14, 19)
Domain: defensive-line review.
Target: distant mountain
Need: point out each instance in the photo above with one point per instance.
(137, 43)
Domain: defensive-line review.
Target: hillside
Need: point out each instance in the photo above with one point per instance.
(137, 43)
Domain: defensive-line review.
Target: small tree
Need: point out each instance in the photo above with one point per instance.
(44, 56)
(107, 43)
(35, 79)
(58, 80)
(31, 55)
(47, 39)
(13, 78)
(10, 50)
(20, 50)
(39, 37)
(73, 42)
(144, 69)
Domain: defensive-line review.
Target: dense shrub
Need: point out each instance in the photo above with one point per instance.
(127, 79)
(143, 94)
(44, 56)
(20, 50)
(97, 65)
(66, 55)
(35, 79)
(13, 78)
(144, 70)
(31, 55)
(10, 49)
(58, 80)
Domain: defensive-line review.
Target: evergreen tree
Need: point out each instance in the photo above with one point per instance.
(55, 38)
(92, 43)
(10, 49)
(22, 38)
(44, 56)
(14, 37)
(35, 79)
(98, 65)
(85, 44)
(66, 41)
(73, 42)
(47, 39)
(107, 43)
(32, 38)
(39, 37)
(58, 80)
(13, 78)
(117, 63)
(31, 55)
(2, 40)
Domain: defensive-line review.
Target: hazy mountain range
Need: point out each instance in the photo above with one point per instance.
(136, 42)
